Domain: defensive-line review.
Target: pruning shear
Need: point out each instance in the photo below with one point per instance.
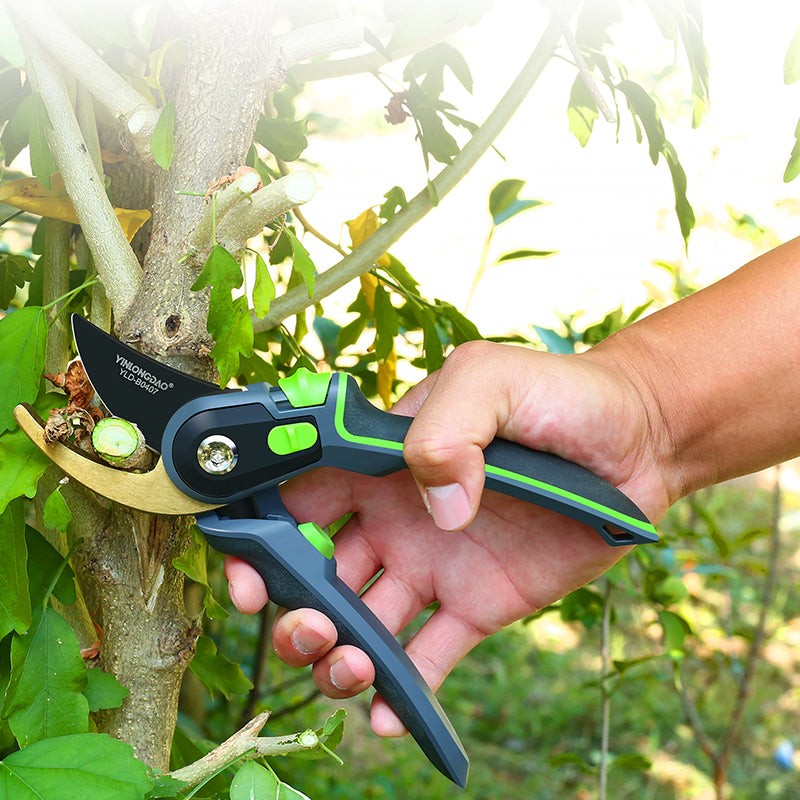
(225, 452)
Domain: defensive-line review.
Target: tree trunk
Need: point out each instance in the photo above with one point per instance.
(125, 563)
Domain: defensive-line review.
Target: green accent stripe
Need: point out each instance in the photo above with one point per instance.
(491, 470)
(636, 523)
(352, 437)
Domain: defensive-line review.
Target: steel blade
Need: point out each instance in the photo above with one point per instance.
(134, 386)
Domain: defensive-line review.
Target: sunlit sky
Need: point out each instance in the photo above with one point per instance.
(610, 210)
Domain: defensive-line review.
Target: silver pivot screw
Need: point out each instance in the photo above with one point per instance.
(217, 454)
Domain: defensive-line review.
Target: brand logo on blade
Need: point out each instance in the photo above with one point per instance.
(141, 377)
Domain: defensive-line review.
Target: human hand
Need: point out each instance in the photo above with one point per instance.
(505, 558)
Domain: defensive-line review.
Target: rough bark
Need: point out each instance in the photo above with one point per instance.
(219, 92)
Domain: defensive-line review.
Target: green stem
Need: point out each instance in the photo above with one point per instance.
(53, 583)
(68, 296)
(481, 267)
(365, 255)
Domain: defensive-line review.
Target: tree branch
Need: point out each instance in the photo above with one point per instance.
(372, 62)
(364, 256)
(121, 99)
(245, 743)
(583, 69)
(246, 220)
(116, 264)
(320, 39)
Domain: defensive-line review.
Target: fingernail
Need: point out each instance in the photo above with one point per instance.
(342, 677)
(448, 505)
(307, 640)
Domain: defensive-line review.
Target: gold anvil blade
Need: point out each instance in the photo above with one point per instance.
(146, 491)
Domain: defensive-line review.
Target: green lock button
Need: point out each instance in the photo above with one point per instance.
(292, 438)
(306, 388)
(318, 537)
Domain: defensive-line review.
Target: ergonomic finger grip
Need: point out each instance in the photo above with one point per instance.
(298, 575)
(532, 475)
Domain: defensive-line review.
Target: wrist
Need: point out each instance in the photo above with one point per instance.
(632, 365)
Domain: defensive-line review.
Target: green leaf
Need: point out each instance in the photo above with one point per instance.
(162, 142)
(254, 781)
(464, 330)
(503, 194)
(255, 369)
(21, 466)
(675, 628)
(302, 263)
(395, 201)
(285, 139)
(91, 765)
(23, 335)
(221, 271)
(386, 323)
(263, 288)
(793, 166)
(234, 340)
(791, 63)
(683, 208)
(643, 107)
(517, 255)
(582, 111)
(15, 604)
(583, 605)
(431, 64)
(517, 207)
(229, 321)
(632, 762)
(431, 342)
(16, 133)
(194, 564)
(216, 672)
(334, 722)
(56, 513)
(103, 690)
(572, 760)
(15, 272)
(44, 562)
(554, 341)
(165, 786)
(434, 138)
(45, 695)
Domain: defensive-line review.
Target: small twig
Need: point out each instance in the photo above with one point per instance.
(245, 743)
(320, 39)
(246, 220)
(583, 68)
(119, 97)
(114, 259)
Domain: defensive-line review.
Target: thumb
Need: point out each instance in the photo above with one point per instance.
(465, 406)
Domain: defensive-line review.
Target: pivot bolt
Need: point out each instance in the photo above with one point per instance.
(217, 454)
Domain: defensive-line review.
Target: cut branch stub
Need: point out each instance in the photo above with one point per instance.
(245, 220)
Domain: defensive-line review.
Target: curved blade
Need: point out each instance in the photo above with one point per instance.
(134, 386)
(148, 491)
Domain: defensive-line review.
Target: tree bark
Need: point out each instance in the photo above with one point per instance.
(231, 65)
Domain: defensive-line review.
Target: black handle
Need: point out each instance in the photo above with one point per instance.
(297, 575)
(375, 439)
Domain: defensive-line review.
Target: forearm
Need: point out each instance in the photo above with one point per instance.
(720, 373)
